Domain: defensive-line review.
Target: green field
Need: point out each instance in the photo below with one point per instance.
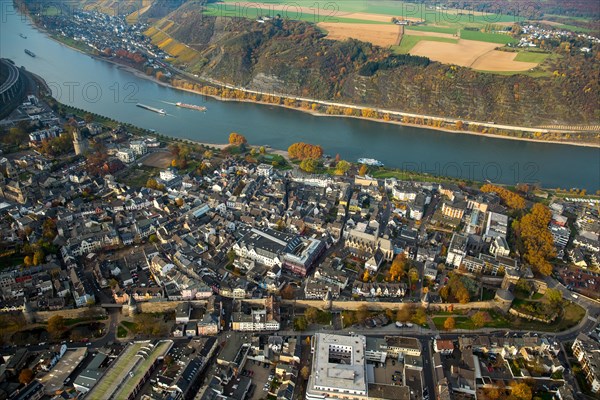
(486, 37)
(436, 29)
(216, 10)
(392, 8)
(528, 56)
(409, 41)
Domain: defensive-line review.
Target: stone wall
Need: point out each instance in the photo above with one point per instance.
(165, 306)
(531, 317)
(43, 316)
(382, 305)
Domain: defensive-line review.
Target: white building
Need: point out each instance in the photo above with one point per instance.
(126, 155)
(338, 369)
(139, 147)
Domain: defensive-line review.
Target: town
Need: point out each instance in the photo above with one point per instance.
(140, 266)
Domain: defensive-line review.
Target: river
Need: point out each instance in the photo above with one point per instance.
(103, 88)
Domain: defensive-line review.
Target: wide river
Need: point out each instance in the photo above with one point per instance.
(100, 87)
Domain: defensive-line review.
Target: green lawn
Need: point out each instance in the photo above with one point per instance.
(497, 320)
(409, 41)
(436, 29)
(529, 56)
(486, 37)
(121, 332)
(129, 325)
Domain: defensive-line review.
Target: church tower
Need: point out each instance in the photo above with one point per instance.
(79, 143)
(28, 312)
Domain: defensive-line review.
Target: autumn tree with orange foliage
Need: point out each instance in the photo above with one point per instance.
(237, 139)
(302, 150)
(535, 238)
(511, 199)
(363, 170)
(398, 268)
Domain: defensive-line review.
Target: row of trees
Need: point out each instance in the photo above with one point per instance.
(302, 150)
(509, 198)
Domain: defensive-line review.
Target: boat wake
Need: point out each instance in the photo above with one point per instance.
(168, 102)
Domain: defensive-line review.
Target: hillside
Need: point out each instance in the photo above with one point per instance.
(293, 57)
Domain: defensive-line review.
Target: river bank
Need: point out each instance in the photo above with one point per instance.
(182, 74)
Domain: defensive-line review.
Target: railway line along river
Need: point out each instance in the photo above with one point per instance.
(97, 86)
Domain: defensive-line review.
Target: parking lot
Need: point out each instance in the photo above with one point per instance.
(386, 374)
(259, 375)
(580, 280)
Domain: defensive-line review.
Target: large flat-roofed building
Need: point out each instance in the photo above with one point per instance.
(339, 368)
(271, 247)
(91, 374)
(128, 373)
(54, 381)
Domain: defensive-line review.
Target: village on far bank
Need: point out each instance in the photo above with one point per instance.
(117, 241)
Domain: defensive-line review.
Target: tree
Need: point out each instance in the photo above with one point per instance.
(397, 269)
(362, 313)
(25, 376)
(554, 297)
(309, 165)
(311, 314)
(348, 318)
(287, 292)
(28, 261)
(38, 257)
(479, 319)
(536, 238)
(419, 316)
(237, 139)
(413, 275)
(302, 150)
(366, 276)
(305, 372)
(56, 325)
(153, 238)
(521, 391)
(231, 256)
(363, 170)
(342, 167)
(462, 295)
(262, 150)
(300, 324)
(445, 292)
(511, 199)
(449, 324)
(403, 314)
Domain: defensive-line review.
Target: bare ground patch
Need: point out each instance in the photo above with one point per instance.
(501, 61)
(380, 35)
(160, 159)
(463, 53)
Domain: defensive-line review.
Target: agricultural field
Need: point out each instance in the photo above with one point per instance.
(386, 35)
(461, 37)
(410, 41)
(532, 57)
(486, 37)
